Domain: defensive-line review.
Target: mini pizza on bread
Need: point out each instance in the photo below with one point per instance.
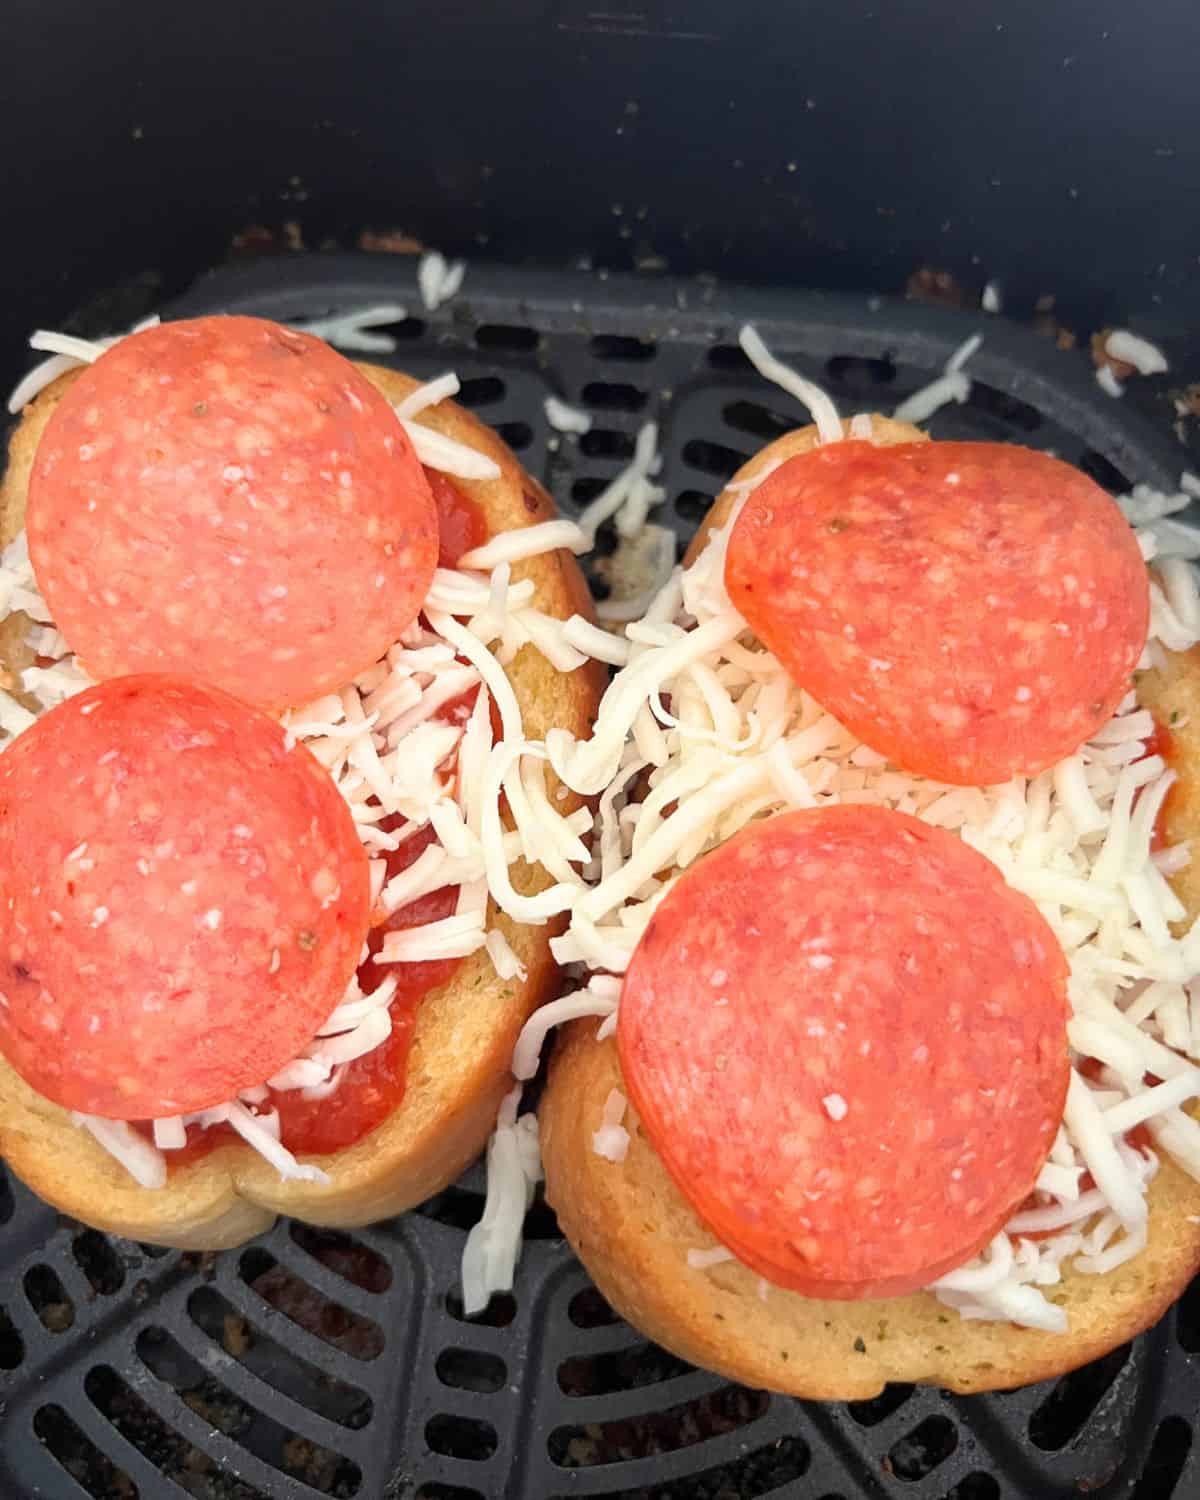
(257, 548)
(890, 932)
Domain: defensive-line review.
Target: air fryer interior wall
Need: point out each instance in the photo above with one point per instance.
(1051, 146)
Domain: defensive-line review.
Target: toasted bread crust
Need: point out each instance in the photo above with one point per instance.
(632, 1228)
(465, 1030)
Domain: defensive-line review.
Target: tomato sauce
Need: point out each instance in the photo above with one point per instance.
(372, 1086)
(1161, 742)
(461, 523)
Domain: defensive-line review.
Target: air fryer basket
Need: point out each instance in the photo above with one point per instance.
(314, 1363)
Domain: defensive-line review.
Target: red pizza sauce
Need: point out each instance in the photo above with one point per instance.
(1161, 742)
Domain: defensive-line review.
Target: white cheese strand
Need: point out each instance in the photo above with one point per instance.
(143, 1162)
(596, 1000)
(504, 960)
(494, 1244)
(1086, 1125)
(437, 451)
(432, 393)
(601, 645)
(85, 351)
(951, 385)
(1145, 357)
(351, 330)
(527, 541)
(611, 1141)
(615, 494)
(810, 395)
(565, 418)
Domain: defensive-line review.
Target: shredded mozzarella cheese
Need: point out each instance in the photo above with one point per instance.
(1145, 357)
(352, 330)
(565, 418)
(432, 393)
(438, 280)
(612, 1139)
(513, 1171)
(951, 385)
(810, 395)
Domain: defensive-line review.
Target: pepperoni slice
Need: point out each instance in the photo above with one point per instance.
(186, 899)
(846, 1038)
(971, 610)
(231, 500)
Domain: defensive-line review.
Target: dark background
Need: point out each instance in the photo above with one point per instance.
(1055, 146)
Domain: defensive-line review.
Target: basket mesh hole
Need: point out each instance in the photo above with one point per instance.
(614, 346)
(758, 421)
(333, 1324)
(976, 1486)
(1063, 1413)
(499, 1312)
(511, 336)
(159, 1443)
(881, 1407)
(12, 1348)
(541, 1222)
(728, 357)
(344, 1256)
(453, 1206)
(154, 1252)
(437, 1491)
(713, 458)
(461, 1437)
(1007, 409)
(98, 1260)
(518, 435)
(408, 329)
(79, 1456)
(622, 1370)
(764, 1472)
(587, 488)
(278, 1366)
(603, 395)
(1166, 1461)
(607, 442)
(6, 1198)
(471, 1370)
(923, 1449)
(1103, 472)
(49, 1299)
(484, 390)
(724, 1410)
(693, 505)
(216, 1405)
(588, 1309)
(854, 374)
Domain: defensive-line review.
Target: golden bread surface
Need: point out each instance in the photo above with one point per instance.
(458, 1069)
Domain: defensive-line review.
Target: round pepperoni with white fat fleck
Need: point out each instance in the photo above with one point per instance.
(846, 1038)
(232, 500)
(185, 899)
(971, 610)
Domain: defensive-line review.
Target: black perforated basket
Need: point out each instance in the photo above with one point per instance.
(312, 1363)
